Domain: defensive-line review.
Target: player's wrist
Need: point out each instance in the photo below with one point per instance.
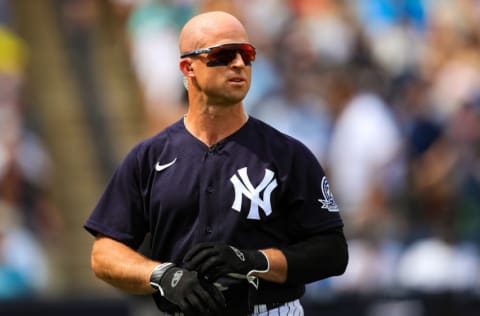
(158, 273)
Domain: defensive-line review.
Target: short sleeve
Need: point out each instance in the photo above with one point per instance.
(312, 206)
(119, 212)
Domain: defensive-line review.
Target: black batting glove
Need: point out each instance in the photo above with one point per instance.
(184, 289)
(213, 260)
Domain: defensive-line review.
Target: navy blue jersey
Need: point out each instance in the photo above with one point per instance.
(255, 189)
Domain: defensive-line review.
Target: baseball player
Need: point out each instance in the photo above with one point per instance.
(240, 216)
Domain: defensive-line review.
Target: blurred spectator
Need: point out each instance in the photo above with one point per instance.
(458, 78)
(25, 166)
(327, 25)
(152, 36)
(451, 61)
(294, 107)
(432, 265)
(266, 74)
(394, 30)
(365, 157)
(464, 130)
(23, 264)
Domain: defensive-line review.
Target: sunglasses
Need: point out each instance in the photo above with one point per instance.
(223, 54)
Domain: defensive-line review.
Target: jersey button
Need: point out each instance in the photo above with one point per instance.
(209, 230)
(210, 189)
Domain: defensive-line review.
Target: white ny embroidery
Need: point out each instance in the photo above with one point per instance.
(243, 186)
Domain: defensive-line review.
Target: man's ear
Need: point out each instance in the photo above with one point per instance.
(186, 67)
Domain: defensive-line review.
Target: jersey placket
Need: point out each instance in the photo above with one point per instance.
(209, 201)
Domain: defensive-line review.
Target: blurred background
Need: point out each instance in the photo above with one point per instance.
(386, 93)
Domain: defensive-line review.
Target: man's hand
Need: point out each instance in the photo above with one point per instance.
(214, 260)
(184, 289)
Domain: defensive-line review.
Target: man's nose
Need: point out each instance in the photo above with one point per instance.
(238, 60)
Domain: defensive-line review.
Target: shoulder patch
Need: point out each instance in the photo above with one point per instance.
(328, 201)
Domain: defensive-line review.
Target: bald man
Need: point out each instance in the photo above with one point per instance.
(240, 216)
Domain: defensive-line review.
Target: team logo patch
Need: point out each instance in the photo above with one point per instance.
(243, 186)
(328, 202)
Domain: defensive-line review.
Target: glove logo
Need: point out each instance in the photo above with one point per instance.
(176, 278)
(329, 202)
(243, 186)
(239, 254)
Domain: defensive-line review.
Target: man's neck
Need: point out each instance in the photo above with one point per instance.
(211, 124)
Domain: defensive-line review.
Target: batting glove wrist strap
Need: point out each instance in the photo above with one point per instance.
(262, 265)
(157, 275)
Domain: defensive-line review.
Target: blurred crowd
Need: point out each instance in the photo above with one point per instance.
(386, 93)
(28, 218)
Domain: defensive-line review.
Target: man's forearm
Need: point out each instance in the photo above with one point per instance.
(121, 266)
(278, 266)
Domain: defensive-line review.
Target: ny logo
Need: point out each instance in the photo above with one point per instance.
(243, 186)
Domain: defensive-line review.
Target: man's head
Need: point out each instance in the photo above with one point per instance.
(220, 72)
